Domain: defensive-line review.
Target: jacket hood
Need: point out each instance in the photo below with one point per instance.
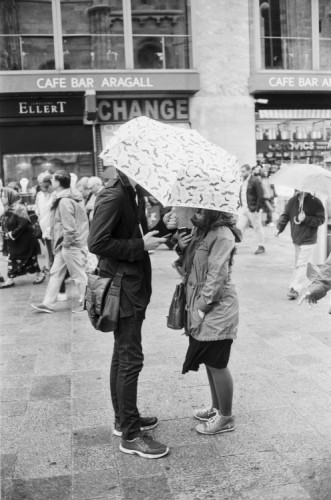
(71, 193)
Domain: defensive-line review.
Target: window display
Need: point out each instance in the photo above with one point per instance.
(293, 141)
(25, 168)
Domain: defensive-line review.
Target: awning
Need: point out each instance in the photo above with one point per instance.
(294, 114)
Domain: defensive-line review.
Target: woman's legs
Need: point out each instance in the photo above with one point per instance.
(214, 398)
(221, 387)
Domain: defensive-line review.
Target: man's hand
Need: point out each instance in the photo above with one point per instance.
(201, 314)
(151, 242)
(170, 219)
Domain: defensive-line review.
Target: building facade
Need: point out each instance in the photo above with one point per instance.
(252, 76)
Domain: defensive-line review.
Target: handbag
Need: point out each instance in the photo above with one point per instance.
(102, 299)
(176, 315)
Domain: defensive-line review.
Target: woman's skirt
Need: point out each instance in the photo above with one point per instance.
(214, 353)
(19, 267)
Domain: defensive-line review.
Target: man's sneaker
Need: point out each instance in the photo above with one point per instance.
(292, 294)
(79, 309)
(260, 249)
(42, 308)
(62, 297)
(144, 446)
(146, 424)
(216, 425)
(204, 413)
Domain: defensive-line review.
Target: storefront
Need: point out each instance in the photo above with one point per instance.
(56, 130)
(42, 133)
(293, 119)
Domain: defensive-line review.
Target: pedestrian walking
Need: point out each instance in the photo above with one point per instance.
(251, 200)
(212, 311)
(94, 185)
(70, 230)
(22, 246)
(117, 236)
(320, 285)
(43, 211)
(305, 213)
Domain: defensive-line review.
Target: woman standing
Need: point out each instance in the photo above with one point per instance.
(212, 311)
(23, 247)
(43, 204)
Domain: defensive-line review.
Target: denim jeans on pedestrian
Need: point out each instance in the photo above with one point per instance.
(127, 363)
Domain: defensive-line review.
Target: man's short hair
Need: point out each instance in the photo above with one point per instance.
(245, 166)
(63, 178)
(94, 181)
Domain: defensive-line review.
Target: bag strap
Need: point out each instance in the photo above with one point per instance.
(119, 274)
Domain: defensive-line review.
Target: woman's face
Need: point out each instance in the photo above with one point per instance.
(198, 213)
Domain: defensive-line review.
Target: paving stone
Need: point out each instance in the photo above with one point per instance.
(88, 458)
(8, 462)
(51, 387)
(186, 460)
(256, 470)
(52, 488)
(90, 402)
(195, 487)
(21, 364)
(15, 394)
(279, 492)
(11, 433)
(147, 488)
(48, 415)
(44, 461)
(13, 408)
(6, 488)
(95, 484)
(294, 447)
(92, 436)
(91, 418)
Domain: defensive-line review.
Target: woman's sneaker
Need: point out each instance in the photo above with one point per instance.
(144, 446)
(146, 424)
(204, 413)
(216, 425)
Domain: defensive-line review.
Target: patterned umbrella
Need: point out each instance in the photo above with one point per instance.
(177, 166)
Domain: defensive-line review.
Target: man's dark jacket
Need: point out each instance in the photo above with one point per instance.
(115, 236)
(306, 232)
(254, 194)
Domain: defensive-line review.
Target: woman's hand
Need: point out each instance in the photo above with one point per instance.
(170, 219)
(183, 240)
(201, 314)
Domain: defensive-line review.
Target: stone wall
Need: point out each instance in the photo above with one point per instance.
(222, 110)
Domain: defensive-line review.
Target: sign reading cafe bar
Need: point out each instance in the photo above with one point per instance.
(122, 110)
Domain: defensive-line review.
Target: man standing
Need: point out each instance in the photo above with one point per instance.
(69, 228)
(305, 213)
(251, 199)
(116, 237)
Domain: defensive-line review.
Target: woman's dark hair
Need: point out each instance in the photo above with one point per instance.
(63, 178)
(212, 218)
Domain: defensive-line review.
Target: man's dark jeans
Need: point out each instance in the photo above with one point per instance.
(126, 365)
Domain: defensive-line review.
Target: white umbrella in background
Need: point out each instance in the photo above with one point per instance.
(304, 177)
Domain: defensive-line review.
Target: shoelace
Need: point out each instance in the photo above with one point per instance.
(212, 420)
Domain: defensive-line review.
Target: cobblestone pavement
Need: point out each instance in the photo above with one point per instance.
(57, 440)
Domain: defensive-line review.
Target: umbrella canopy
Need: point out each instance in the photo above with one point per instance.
(177, 166)
(304, 177)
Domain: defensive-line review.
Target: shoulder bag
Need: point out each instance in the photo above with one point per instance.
(102, 299)
(176, 315)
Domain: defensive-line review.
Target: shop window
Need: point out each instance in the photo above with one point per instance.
(325, 34)
(161, 34)
(93, 34)
(286, 34)
(26, 35)
(25, 168)
(294, 139)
